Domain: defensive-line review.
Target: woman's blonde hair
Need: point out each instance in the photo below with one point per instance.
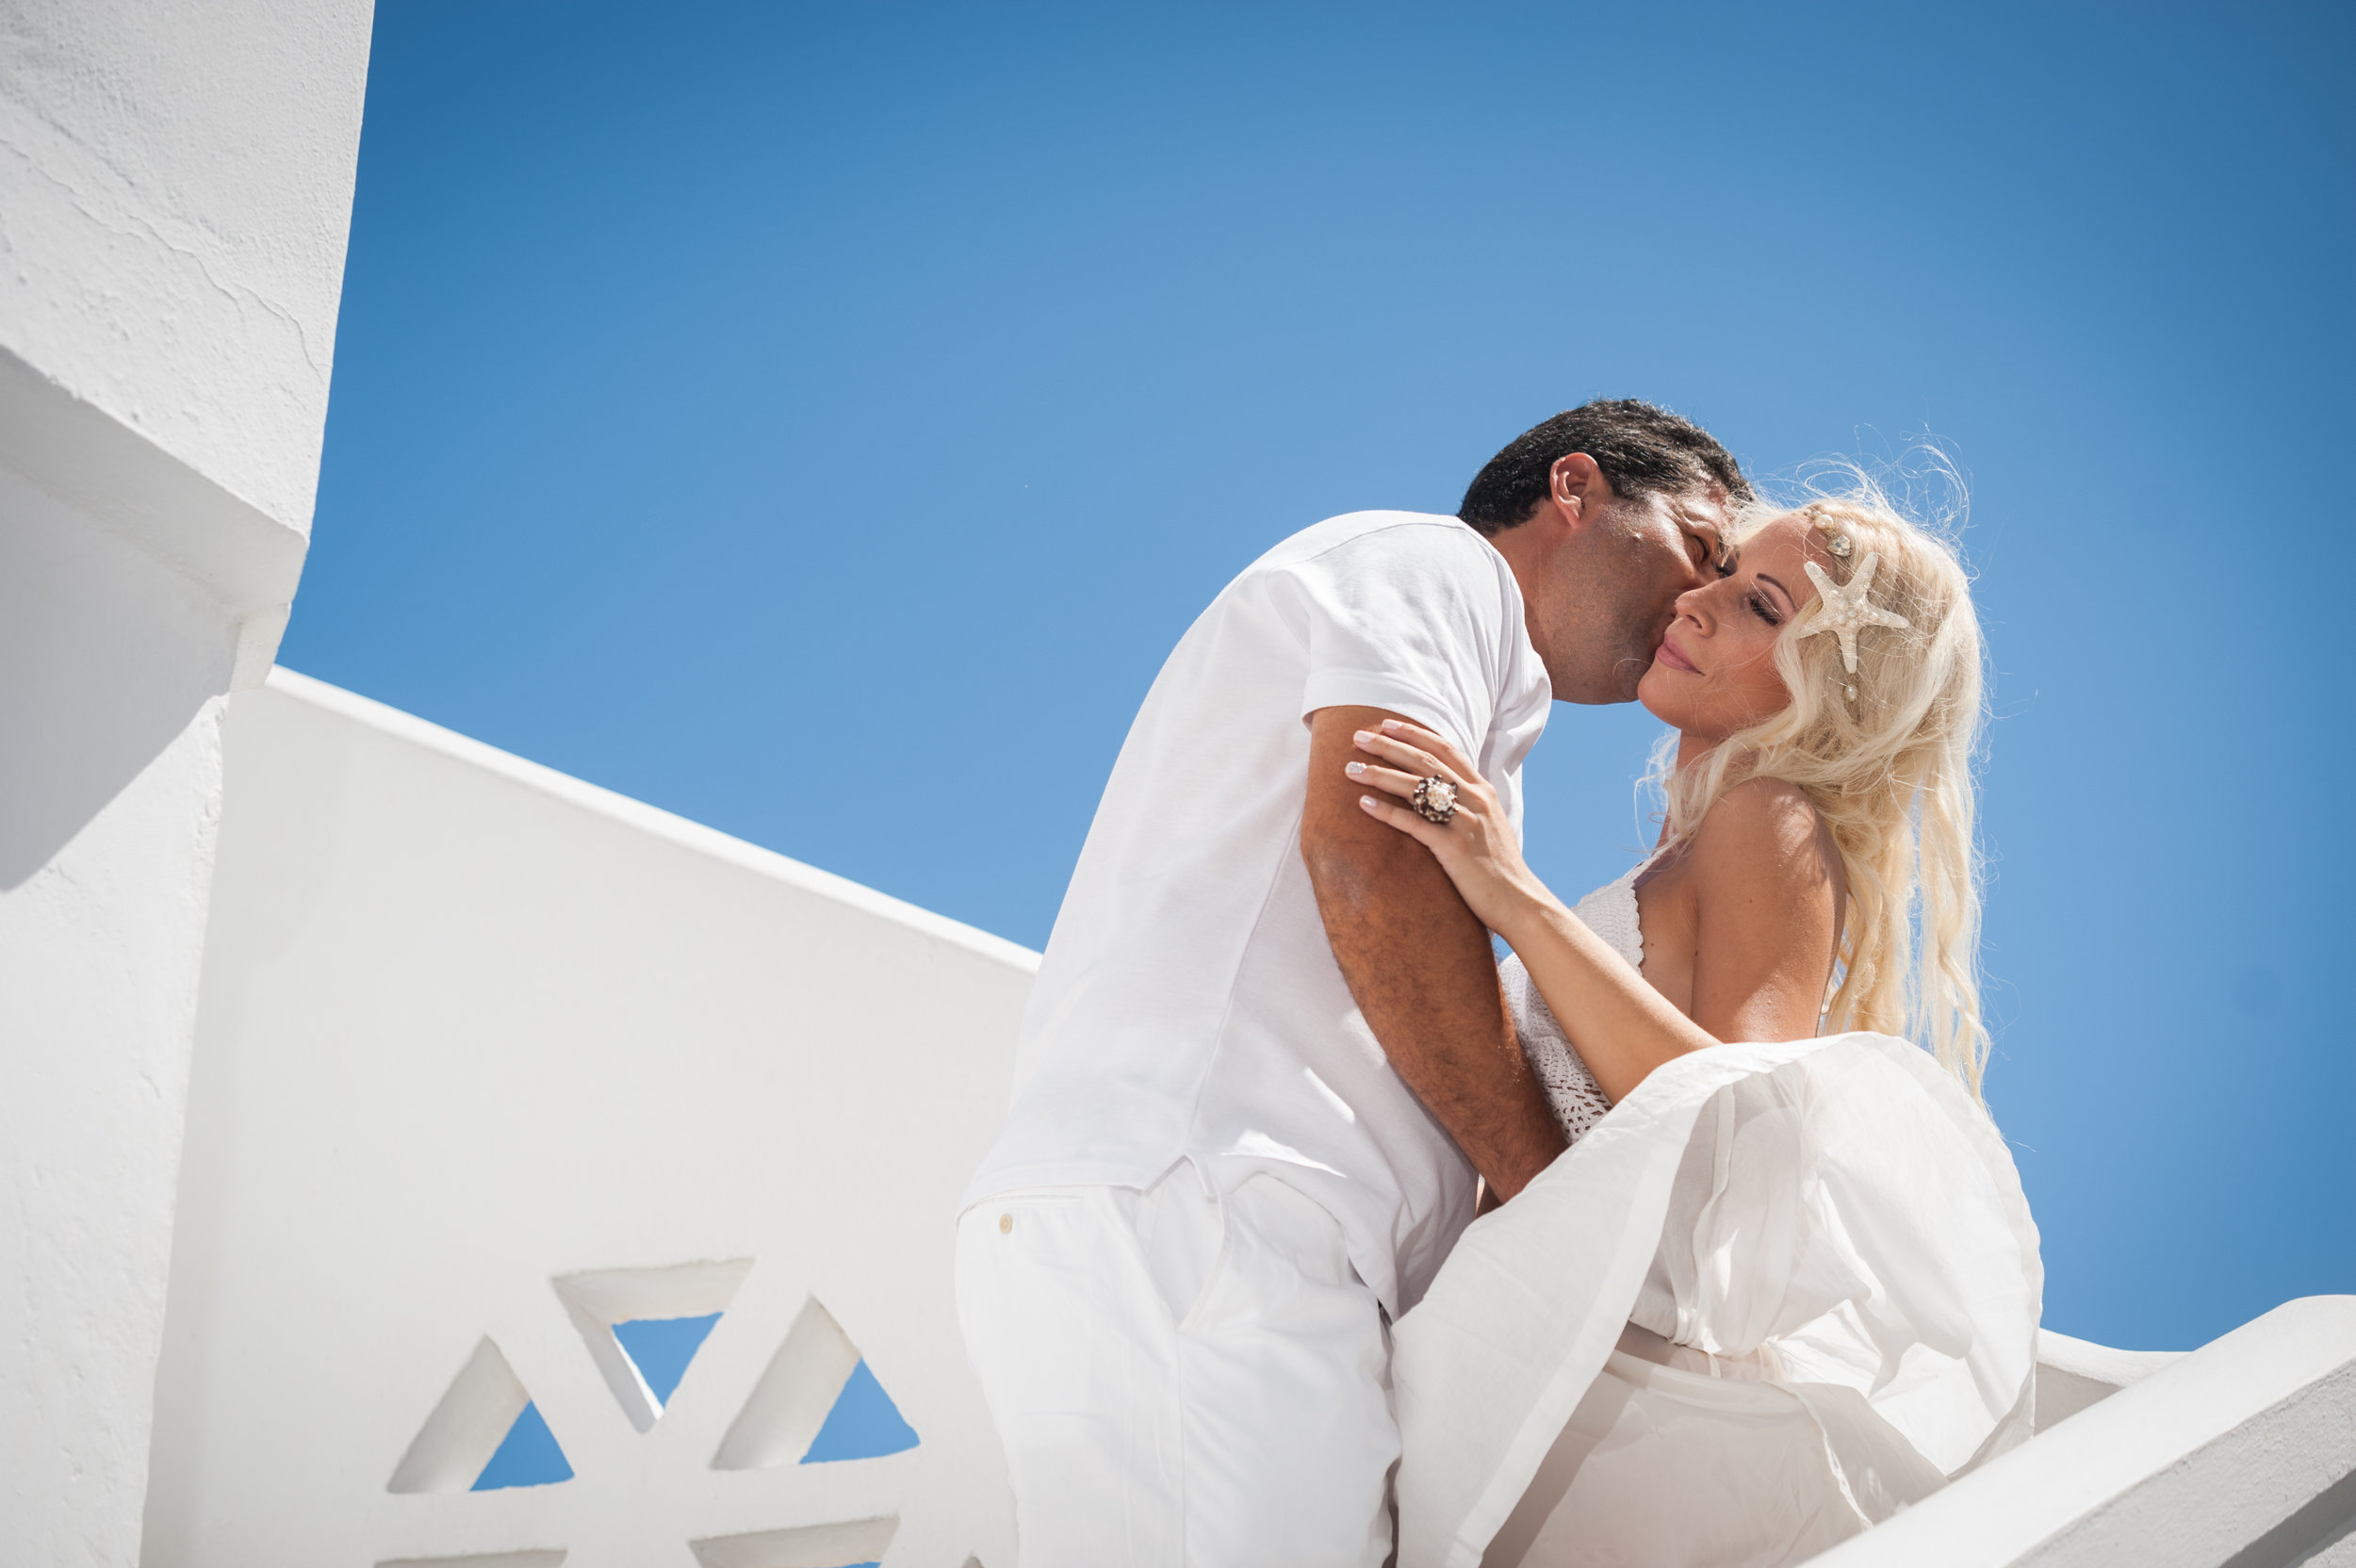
(1890, 770)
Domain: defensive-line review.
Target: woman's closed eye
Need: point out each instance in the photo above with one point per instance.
(1764, 608)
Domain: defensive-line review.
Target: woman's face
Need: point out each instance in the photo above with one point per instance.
(1715, 671)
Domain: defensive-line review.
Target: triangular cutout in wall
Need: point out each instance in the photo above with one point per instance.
(667, 1313)
(472, 1425)
(528, 1456)
(863, 1424)
(816, 1402)
(854, 1544)
(661, 1348)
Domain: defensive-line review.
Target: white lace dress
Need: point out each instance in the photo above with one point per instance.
(1780, 1291)
(1578, 1102)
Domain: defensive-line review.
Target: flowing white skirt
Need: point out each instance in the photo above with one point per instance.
(1779, 1293)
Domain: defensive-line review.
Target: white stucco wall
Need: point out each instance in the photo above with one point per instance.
(468, 1029)
(105, 858)
(175, 191)
(175, 185)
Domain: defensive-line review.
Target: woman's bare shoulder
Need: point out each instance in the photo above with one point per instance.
(1763, 833)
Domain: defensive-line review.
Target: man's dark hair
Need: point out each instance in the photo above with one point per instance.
(1642, 449)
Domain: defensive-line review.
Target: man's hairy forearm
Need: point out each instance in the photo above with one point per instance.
(1420, 968)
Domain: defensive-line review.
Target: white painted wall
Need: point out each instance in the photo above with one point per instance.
(175, 191)
(106, 850)
(175, 185)
(469, 1028)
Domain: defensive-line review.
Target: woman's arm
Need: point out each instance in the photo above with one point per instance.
(1766, 893)
(1623, 1027)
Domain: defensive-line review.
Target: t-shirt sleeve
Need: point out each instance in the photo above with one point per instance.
(1411, 619)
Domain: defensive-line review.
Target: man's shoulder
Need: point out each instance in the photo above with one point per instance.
(1380, 535)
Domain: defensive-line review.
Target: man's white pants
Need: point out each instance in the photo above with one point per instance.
(1181, 1380)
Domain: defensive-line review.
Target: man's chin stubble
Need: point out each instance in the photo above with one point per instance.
(1631, 673)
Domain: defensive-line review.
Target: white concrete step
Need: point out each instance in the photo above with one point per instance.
(2241, 1454)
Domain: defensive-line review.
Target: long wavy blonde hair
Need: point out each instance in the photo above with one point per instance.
(1891, 770)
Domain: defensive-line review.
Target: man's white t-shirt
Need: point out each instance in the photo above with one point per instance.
(1190, 1006)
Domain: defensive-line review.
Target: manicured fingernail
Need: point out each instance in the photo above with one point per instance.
(1363, 736)
(1393, 725)
(1369, 802)
(1354, 769)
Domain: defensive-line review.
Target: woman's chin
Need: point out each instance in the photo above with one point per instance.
(1655, 693)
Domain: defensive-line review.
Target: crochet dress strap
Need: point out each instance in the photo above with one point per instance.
(1577, 1100)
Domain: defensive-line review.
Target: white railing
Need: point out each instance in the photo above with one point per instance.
(570, 1183)
(2239, 1455)
(504, 1087)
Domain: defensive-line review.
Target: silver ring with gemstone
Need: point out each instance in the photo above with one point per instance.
(1434, 801)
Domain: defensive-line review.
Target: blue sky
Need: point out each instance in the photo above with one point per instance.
(735, 404)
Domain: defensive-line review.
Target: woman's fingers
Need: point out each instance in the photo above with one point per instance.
(1391, 781)
(1402, 818)
(1433, 743)
(1421, 763)
(1411, 732)
(1388, 779)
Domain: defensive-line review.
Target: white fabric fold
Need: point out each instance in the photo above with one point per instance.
(1830, 1240)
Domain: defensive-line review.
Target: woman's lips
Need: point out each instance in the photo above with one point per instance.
(1671, 656)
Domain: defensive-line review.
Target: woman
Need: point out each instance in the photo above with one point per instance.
(1796, 1287)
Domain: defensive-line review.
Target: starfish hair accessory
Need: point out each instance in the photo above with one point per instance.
(1845, 612)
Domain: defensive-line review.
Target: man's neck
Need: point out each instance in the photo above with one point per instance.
(1530, 552)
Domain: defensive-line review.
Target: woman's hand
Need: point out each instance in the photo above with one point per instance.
(1476, 847)
(1623, 1027)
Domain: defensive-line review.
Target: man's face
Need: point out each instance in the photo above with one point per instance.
(1613, 589)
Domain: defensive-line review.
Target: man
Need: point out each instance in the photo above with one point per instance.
(1268, 1054)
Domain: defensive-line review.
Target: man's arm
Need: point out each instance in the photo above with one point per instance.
(1420, 966)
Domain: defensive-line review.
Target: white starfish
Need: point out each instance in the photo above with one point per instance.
(1843, 611)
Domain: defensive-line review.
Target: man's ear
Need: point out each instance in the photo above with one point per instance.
(1578, 491)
